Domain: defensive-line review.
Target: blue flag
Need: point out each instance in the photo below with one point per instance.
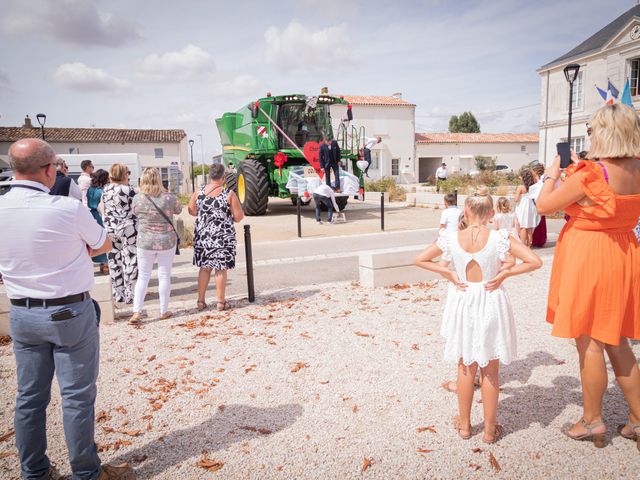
(602, 93)
(614, 91)
(626, 95)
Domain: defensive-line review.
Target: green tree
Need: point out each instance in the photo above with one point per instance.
(485, 163)
(465, 123)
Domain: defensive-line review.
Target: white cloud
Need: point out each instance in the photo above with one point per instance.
(236, 86)
(297, 48)
(73, 21)
(79, 77)
(190, 63)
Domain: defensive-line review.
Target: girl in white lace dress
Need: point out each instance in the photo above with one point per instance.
(478, 322)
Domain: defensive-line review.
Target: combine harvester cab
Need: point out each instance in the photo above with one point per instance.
(271, 148)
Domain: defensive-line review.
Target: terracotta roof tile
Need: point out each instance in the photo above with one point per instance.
(93, 135)
(376, 100)
(476, 137)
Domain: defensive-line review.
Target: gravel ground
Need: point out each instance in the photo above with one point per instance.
(329, 381)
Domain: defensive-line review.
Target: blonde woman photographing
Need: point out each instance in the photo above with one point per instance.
(157, 239)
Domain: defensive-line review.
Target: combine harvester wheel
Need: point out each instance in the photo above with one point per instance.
(253, 187)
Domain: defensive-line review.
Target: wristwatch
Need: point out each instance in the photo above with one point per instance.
(546, 177)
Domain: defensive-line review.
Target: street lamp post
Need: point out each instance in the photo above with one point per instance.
(571, 74)
(193, 184)
(204, 178)
(42, 119)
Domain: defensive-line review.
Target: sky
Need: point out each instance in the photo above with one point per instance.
(151, 64)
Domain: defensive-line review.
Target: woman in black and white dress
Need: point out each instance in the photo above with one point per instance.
(214, 243)
(120, 223)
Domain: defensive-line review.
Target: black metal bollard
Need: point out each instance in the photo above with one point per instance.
(299, 211)
(382, 211)
(455, 192)
(249, 260)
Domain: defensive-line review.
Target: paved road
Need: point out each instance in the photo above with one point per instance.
(290, 263)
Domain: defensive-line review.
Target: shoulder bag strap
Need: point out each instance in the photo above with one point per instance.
(163, 216)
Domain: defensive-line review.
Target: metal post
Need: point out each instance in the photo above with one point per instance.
(382, 211)
(42, 131)
(249, 260)
(570, 112)
(193, 183)
(299, 212)
(455, 192)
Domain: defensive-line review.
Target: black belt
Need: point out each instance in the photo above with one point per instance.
(50, 302)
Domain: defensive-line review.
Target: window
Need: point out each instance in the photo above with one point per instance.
(395, 167)
(523, 148)
(577, 143)
(375, 159)
(159, 152)
(635, 73)
(73, 150)
(164, 174)
(578, 92)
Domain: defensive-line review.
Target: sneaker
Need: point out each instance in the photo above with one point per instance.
(117, 472)
(53, 473)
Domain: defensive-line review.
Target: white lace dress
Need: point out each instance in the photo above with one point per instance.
(478, 325)
(526, 211)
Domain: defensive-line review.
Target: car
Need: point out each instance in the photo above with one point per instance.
(499, 169)
(4, 187)
(6, 175)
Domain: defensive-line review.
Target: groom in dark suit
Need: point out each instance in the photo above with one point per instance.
(329, 159)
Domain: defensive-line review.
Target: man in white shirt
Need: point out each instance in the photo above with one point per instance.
(441, 174)
(45, 251)
(369, 143)
(324, 195)
(84, 180)
(450, 217)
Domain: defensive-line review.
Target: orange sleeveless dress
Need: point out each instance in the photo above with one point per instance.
(595, 277)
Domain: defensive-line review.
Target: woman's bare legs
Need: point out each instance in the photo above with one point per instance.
(625, 366)
(490, 391)
(204, 276)
(593, 375)
(221, 285)
(464, 390)
(522, 233)
(529, 236)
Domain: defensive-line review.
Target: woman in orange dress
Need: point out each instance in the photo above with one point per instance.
(594, 292)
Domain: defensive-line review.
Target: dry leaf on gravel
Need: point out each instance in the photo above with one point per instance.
(209, 464)
(4, 340)
(299, 366)
(324, 382)
(366, 464)
(251, 368)
(494, 463)
(423, 450)
(8, 454)
(221, 408)
(138, 458)
(362, 334)
(415, 346)
(131, 433)
(400, 286)
(430, 428)
(7, 435)
(355, 409)
(475, 466)
(121, 410)
(107, 429)
(121, 443)
(476, 450)
(102, 416)
(151, 358)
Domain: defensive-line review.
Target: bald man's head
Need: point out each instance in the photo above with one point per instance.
(30, 155)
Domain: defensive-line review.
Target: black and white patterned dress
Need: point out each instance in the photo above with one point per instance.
(214, 243)
(121, 226)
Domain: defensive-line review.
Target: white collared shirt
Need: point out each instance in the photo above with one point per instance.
(326, 191)
(442, 173)
(43, 245)
(370, 142)
(84, 182)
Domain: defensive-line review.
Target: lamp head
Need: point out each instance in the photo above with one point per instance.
(42, 119)
(571, 72)
(191, 143)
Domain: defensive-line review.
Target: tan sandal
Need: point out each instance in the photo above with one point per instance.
(634, 435)
(135, 319)
(598, 439)
(166, 315)
(201, 305)
(220, 306)
(456, 425)
(498, 432)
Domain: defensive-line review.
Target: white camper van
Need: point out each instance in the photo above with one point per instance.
(104, 161)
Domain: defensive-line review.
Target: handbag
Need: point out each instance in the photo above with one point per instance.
(168, 221)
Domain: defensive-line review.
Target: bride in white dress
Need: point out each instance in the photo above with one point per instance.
(478, 322)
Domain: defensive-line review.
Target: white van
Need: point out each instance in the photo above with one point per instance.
(104, 161)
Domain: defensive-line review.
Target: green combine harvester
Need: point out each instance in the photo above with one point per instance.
(273, 137)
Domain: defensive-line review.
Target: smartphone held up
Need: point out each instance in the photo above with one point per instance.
(565, 154)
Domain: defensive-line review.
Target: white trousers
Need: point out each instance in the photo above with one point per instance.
(146, 259)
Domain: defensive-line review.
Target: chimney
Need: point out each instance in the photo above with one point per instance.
(27, 122)
(324, 91)
(397, 95)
